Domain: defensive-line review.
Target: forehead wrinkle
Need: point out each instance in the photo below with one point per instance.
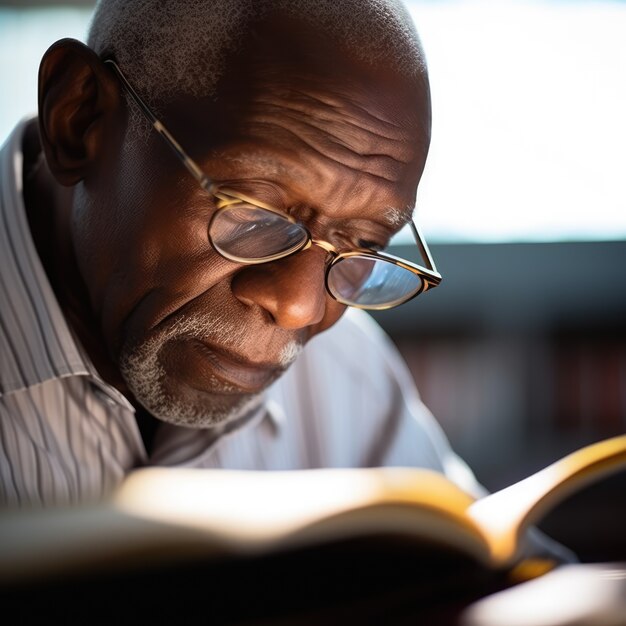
(343, 119)
(304, 102)
(348, 134)
(376, 165)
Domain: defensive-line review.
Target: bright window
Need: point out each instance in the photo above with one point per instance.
(529, 120)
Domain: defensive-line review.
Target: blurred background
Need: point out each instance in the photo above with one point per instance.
(521, 352)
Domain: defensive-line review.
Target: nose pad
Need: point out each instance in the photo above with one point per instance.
(291, 290)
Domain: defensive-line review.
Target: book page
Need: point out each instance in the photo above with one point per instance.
(252, 511)
(252, 506)
(504, 515)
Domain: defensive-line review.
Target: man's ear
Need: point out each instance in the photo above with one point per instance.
(77, 99)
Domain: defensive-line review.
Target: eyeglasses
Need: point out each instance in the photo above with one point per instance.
(248, 231)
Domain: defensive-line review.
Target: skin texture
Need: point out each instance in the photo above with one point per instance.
(122, 228)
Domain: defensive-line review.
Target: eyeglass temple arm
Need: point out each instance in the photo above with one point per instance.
(184, 158)
(421, 244)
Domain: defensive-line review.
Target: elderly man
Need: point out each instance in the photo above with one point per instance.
(207, 188)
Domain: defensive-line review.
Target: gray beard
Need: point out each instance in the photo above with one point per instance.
(145, 376)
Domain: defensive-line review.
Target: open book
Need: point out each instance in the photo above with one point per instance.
(161, 513)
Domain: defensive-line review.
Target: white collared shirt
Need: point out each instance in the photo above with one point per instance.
(67, 436)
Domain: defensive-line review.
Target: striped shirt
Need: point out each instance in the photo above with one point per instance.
(67, 436)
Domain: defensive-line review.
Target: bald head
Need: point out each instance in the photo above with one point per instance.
(173, 48)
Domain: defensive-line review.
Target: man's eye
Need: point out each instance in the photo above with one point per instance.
(370, 245)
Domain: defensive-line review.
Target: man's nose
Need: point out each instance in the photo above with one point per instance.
(291, 290)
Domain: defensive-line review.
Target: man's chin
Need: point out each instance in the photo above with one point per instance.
(191, 401)
(192, 408)
(182, 373)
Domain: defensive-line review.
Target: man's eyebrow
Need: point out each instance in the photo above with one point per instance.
(396, 217)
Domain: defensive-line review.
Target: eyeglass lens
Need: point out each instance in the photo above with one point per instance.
(369, 282)
(244, 232)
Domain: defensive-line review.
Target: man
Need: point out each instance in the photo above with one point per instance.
(159, 283)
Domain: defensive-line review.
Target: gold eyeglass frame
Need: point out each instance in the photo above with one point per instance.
(226, 198)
